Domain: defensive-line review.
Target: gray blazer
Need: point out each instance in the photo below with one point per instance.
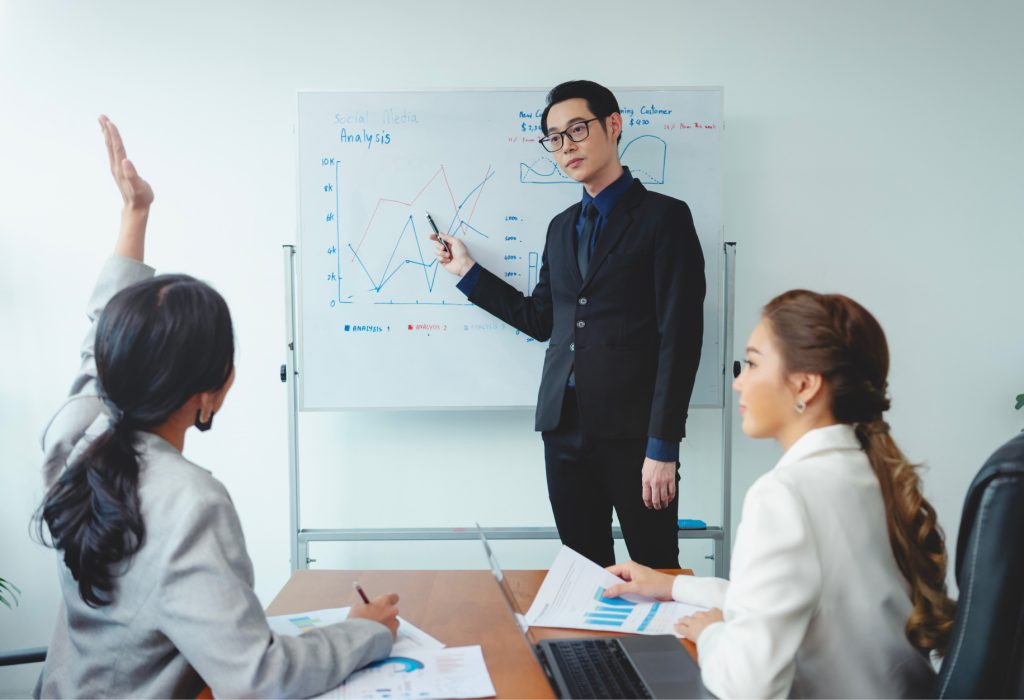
(184, 611)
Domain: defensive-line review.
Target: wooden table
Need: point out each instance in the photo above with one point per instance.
(459, 608)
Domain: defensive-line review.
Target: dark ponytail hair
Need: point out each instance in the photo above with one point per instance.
(834, 336)
(158, 343)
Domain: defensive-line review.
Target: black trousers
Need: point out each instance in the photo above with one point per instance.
(589, 477)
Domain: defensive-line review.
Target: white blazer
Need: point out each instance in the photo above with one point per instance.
(817, 605)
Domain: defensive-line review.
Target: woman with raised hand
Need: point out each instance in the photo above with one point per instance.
(156, 580)
(838, 576)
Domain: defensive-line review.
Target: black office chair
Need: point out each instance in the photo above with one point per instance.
(985, 658)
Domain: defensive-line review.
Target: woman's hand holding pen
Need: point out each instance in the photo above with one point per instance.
(383, 610)
(135, 192)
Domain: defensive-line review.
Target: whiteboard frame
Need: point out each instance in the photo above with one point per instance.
(294, 295)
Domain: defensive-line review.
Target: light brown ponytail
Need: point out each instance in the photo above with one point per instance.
(834, 336)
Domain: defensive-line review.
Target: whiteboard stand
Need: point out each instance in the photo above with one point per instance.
(301, 537)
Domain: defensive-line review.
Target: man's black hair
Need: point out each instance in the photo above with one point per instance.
(600, 100)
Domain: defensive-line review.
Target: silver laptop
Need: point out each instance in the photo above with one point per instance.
(635, 666)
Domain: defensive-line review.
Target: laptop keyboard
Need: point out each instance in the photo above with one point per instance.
(598, 668)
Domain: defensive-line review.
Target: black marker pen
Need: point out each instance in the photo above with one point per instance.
(437, 233)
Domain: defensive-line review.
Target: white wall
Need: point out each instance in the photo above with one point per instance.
(872, 148)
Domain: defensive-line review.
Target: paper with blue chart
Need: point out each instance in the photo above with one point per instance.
(572, 596)
(419, 665)
(455, 672)
(381, 324)
(410, 637)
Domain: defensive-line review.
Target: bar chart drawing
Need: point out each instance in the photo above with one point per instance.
(532, 272)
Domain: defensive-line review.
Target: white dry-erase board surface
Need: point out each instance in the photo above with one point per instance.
(382, 325)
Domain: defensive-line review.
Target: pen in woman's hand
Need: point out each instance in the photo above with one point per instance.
(361, 592)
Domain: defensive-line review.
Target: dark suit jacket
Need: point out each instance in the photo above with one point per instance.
(633, 328)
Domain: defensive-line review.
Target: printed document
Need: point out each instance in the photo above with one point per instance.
(410, 638)
(455, 672)
(572, 597)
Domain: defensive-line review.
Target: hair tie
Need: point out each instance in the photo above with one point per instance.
(116, 414)
(878, 427)
(875, 427)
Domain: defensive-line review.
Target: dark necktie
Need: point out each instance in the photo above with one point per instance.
(583, 256)
(583, 248)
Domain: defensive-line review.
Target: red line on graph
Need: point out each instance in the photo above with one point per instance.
(455, 207)
(440, 171)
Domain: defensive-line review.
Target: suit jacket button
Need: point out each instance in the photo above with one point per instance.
(572, 347)
(583, 301)
(581, 324)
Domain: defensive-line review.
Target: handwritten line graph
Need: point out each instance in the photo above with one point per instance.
(646, 162)
(383, 200)
(395, 262)
(388, 272)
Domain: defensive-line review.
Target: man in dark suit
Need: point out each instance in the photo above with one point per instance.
(620, 295)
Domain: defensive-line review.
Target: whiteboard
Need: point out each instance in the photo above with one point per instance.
(381, 324)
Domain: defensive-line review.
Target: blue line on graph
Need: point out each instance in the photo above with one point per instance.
(650, 616)
(395, 250)
(421, 303)
(482, 183)
(429, 269)
(389, 273)
(552, 175)
(621, 602)
(542, 178)
(337, 230)
(425, 267)
(458, 209)
(645, 176)
(473, 228)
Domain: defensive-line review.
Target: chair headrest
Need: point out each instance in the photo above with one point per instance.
(1007, 461)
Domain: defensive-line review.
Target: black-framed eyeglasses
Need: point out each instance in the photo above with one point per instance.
(576, 132)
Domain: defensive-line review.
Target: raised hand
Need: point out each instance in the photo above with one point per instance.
(136, 193)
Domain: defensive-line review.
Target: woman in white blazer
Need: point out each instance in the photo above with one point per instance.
(837, 582)
(156, 580)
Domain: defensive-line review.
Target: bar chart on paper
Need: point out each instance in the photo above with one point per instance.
(612, 612)
(378, 314)
(573, 595)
